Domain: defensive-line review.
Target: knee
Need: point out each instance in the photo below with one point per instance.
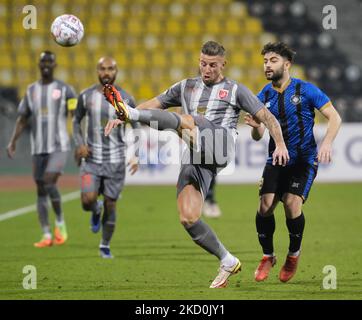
(187, 122)
(266, 207)
(88, 200)
(187, 215)
(51, 178)
(110, 205)
(40, 188)
(292, 206)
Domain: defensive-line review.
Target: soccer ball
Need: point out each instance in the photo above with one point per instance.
(67, 30)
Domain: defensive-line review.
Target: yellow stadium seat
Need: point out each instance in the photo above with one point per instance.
(154, 27)
(253, 26)
(159, 59)
(213, 26)
(64, 60)
(94, 27)
(174, 26)
(114, 26)
(134, 27)
(81, 60)
(192, 26)
(138, 60)
(232, 26)
(178, 59)
(6, 60)
(145, 91)
(24, 60)
(239, 58)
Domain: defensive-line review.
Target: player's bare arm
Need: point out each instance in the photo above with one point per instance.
(280, 154)
(258, 128)
(153, 103)
(334, 123)
(19, 128)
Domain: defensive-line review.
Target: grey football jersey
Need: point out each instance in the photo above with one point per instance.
(93, 105)
(46, 106)
(222, 101)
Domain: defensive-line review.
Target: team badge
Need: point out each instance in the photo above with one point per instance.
(56, 94)
(295, 99)
(223, 93)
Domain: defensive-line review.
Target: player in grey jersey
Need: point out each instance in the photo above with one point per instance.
(46, 105)
(103, 168)
(223, 99)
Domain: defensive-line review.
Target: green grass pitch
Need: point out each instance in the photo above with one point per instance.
(156, 259)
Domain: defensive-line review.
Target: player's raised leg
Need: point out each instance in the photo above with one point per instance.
(184, 124)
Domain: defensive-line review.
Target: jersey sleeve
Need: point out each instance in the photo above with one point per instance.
(79, 113)
(247, 101)
(71, 98)
(171, 97)
(316, 97)
(24, 108)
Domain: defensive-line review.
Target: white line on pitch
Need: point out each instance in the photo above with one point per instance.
(18, 212)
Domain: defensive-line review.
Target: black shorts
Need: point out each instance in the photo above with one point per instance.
(295, 179)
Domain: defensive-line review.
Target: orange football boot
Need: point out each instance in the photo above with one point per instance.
(289, 268)
(264, 267)
(115, 99)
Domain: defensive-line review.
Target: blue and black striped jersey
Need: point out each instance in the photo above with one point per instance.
(293, 105)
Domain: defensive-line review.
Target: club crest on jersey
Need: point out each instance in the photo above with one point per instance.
(295, 99)
(223, 93)
(56, 94)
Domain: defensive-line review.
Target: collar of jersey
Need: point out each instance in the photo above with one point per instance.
(283, 87)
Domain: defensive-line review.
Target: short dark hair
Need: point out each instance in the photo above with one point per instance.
(212, 48)
(47, 53)
(280, 48)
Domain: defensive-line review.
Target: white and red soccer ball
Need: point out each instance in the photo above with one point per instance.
(67, 30)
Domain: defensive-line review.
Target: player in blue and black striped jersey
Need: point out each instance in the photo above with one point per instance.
(293, 102)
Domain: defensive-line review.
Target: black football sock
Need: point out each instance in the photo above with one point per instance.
(296, 228)
(265, 226)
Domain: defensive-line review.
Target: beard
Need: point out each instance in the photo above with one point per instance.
(276, 75)
(106, 80)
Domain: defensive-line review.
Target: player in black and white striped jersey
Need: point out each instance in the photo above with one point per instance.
(104, 164)
(46, 106)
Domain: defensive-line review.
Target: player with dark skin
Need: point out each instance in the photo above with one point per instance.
(46, 64)
(45, 107)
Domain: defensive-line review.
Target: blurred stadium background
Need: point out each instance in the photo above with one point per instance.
(157, 43)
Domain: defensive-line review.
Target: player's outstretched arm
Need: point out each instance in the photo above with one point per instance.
(153, 103)
(19, 128)
(334, 123)
(258, 128)
(280, 154)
